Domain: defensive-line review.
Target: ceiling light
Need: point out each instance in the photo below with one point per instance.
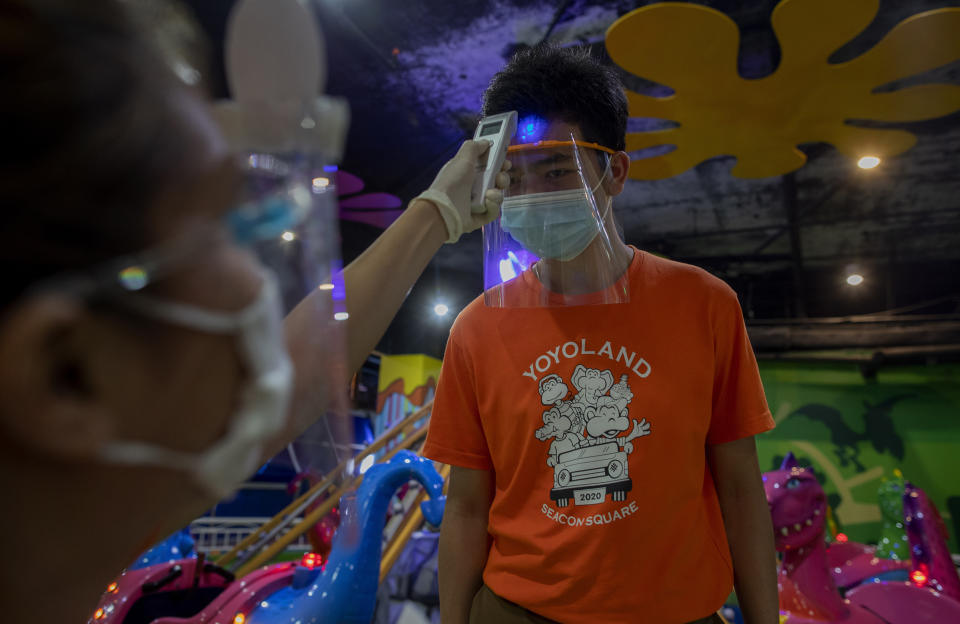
(441, 309)
(288, 236)
(868, 162)
(854, 279)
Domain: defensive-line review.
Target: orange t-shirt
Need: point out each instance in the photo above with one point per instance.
(594, 420)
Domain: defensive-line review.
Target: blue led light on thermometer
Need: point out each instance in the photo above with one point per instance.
(530, 129)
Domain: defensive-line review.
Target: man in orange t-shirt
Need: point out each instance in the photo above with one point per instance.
(604, 468)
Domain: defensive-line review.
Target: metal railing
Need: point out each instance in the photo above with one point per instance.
(291, 524)
(213, 535)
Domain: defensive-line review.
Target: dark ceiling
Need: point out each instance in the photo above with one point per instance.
(414, 72)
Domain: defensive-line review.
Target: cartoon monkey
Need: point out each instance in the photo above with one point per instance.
(553, 390)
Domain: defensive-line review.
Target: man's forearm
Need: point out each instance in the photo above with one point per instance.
(464, 544)
(750, 535)
(746, 518)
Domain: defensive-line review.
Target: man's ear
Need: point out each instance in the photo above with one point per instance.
(619, 171)
(47, 403)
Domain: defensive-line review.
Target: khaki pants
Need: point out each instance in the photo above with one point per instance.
(489, 608)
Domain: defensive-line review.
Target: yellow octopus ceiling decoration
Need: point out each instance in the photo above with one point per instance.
(693, 50)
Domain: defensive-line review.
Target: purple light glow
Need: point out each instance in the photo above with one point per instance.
(508, 265)
(451, 72)
(347, 183)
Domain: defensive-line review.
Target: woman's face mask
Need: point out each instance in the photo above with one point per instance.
(262, 403)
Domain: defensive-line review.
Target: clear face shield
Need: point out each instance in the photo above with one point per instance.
(292, 228)
(553, 244)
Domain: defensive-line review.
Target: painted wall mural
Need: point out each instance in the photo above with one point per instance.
(407, 382)
(693, 50)
(856, 433)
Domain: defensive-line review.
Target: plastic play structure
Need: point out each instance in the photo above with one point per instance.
(178, 545)
(342, 589)
(346, 590)
(808, 591)
(926, 532)
(852, 564)
(303, 514)
(321, 535)
(893, 543)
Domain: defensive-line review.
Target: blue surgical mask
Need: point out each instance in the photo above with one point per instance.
(556, 225)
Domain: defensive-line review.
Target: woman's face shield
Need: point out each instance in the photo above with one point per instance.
(288, 218)
(552, 244)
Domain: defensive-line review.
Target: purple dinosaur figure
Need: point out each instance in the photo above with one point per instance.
(928, 545)
(808, 592)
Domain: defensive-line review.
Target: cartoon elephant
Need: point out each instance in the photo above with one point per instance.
(591, 384)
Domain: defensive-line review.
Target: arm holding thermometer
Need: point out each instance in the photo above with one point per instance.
(460, 190)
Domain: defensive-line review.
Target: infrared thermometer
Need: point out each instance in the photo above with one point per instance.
(498, 129)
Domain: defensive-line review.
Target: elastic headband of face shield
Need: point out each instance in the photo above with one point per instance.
(549, 166)
(523, 147)
(277, 208)
(517, 154)
(552, 244)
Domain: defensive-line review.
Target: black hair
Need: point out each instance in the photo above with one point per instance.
(566, 83)
(91, 136)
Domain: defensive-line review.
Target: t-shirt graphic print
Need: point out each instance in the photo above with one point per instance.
(590, 435)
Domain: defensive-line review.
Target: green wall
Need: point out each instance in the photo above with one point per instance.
(854, 432)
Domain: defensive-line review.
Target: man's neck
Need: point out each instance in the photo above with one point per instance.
(595, 270)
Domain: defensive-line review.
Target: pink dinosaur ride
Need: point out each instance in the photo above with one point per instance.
(183, 589)
(808, 592)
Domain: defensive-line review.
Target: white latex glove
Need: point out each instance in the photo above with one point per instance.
(450, 191)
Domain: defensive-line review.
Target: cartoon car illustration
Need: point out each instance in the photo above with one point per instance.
(587, 474)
